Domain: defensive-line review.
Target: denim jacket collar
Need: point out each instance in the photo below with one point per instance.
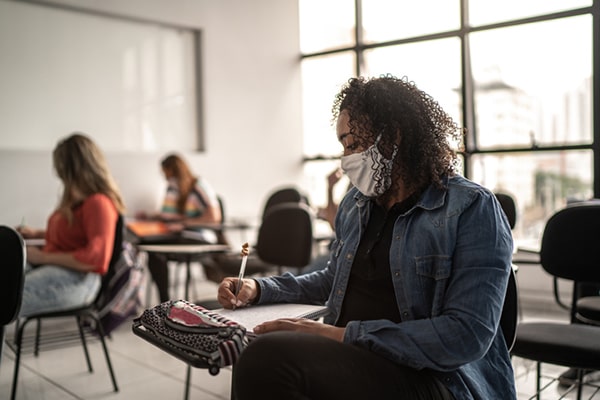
(432, 198)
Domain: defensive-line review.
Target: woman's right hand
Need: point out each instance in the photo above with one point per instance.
(334, 177)
(227, 288)
(30, 233)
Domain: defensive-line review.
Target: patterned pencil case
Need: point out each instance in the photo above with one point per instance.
(200, 337)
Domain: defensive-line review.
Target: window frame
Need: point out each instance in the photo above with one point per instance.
(467, 88)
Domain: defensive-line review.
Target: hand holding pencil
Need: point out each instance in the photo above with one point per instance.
(238, 292)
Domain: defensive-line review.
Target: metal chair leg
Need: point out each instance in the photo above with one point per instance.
(18, 343)
(2, 330)
(106, 355)
(538, 379)
(38, 331)
(579, 383)
(84, 344)
(188, 376)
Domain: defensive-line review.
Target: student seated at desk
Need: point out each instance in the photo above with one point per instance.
(189, 201)
(79, 237)
(417, 275)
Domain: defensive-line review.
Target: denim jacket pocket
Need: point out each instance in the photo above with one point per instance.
(432, 273)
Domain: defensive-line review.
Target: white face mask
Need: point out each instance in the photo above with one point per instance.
(361, 168)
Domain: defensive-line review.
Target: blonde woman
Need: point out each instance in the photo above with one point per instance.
(79, 237)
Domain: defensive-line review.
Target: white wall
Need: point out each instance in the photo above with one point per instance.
(131, 84)
(252, 110)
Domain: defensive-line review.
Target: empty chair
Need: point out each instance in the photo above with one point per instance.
(285, 239)
(507, 202)
(285, 236)
(587, 307)
(585, 301)
(288, 194)
(283, 195)
(569, 251)
(509, 318)
(221, 265)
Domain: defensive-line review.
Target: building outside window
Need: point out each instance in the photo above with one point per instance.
(517, 74)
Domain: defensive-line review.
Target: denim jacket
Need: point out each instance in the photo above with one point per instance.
(450, 260)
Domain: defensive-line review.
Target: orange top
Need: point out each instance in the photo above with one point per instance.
(91, 235)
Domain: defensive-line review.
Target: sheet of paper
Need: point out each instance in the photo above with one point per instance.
(35, 242)
(251, 316)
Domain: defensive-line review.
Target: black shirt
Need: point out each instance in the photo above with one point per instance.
(370, 292)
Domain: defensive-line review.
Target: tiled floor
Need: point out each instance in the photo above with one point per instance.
(145, 372)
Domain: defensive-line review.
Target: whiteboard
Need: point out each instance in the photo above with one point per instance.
(130, 85)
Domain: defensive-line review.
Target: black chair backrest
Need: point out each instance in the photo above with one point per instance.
(507, 202)
(284, 195)
(222, 208)
(509, 318)
(221, 237)
(117, 249)
(571, 243)
(285, 237)
(12, 249)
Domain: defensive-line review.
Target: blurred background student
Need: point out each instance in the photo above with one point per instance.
(327, 213)
(189, 202)
(80, 233)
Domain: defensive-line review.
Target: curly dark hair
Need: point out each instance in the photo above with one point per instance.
(405, 117)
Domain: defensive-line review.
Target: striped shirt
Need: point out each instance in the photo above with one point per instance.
(199, 199)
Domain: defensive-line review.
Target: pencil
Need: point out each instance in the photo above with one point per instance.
(245, 253)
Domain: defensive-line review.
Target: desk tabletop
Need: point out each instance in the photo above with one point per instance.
(184, 248)
(232, 225)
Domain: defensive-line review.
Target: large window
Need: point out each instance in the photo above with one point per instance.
(523, 87)
(533, 83)
(434, 65)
